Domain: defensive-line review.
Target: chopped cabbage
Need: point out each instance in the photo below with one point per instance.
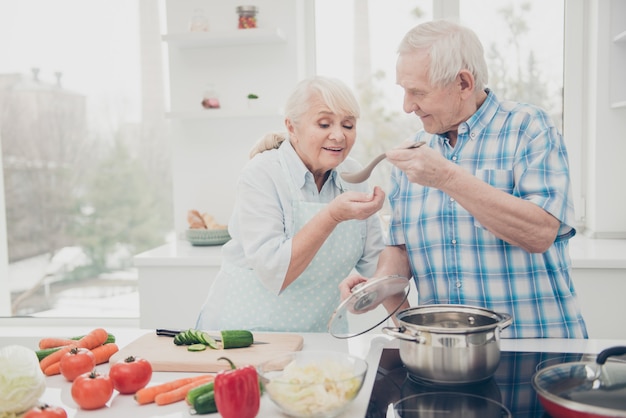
(21, 380)
(314, 389)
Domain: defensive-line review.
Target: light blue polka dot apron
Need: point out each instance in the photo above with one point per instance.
(304, 306)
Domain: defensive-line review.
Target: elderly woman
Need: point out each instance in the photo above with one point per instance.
(297, 229)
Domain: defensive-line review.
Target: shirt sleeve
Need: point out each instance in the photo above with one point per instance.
(542, 173)
(263, 216)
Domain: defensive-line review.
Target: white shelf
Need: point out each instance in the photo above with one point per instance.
(618, 105)
(225, 38)
(222, 113)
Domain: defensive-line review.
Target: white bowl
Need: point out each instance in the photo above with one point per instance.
(313, 384)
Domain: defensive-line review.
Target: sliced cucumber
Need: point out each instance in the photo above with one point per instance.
(196, 347)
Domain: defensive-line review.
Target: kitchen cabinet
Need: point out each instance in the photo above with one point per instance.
(618, 53)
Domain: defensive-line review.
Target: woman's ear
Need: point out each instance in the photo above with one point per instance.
(290, 128)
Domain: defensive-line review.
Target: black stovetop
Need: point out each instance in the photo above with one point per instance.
(510, 386)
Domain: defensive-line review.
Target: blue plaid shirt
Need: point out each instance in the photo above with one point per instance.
(454, 259)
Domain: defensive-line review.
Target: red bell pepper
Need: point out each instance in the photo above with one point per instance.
(237, 393)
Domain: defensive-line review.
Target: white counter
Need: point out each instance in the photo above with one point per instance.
(174, 280)
(367, 346)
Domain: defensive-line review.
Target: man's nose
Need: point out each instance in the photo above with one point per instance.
(409, 105)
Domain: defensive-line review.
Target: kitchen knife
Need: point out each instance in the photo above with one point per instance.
(173, 332)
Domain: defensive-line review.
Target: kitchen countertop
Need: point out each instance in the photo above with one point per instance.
(585, 253)
(368, 346)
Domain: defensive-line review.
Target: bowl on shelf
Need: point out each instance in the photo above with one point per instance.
(313, 384)
(207, 236)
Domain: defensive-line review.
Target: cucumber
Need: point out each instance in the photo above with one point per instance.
(196, 347)
(194, 336)
(204, 404)
(41, 354)
(194, 393)
(236, 338)
(202, 399)
(230, 338)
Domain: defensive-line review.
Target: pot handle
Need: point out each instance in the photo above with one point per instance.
(505, 321)
(609, 352)
(399, 332)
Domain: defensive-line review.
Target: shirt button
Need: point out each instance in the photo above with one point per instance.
(454, 158)
(458, 284)
(453, 241)
(473, 135)
(451, 199)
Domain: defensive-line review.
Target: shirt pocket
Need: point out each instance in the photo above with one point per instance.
(500, 179)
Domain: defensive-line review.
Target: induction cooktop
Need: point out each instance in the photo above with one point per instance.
(510, 386)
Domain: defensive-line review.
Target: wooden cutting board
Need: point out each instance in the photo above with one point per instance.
(165, 356)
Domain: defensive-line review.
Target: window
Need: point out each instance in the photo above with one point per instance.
(84, 158)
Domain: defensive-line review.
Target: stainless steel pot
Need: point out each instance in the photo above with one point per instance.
(449, 344)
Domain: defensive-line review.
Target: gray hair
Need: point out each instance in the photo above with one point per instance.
(333, 92)
(452, 48)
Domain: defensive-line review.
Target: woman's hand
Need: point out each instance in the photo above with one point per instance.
(346, 285)
(356, 205)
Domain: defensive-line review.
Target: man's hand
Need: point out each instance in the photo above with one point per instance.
(423, 165)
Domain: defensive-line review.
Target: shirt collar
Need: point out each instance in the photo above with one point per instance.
(484, 114)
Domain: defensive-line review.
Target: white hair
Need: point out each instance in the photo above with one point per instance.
(452, 48)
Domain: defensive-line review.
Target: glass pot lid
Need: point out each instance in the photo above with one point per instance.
(365, 297)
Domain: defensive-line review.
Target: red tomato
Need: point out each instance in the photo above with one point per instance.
(130, 374)
(45, 411)
(92, 390)
(75, 362)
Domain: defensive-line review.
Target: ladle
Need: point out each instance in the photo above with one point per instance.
(364, 174)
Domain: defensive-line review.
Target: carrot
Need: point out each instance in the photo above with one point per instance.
(104, 352)
(47, 343)
(180, 393)
(54, 357)
(54, 368)
(146, 395)
(53, 342)
(95, 338)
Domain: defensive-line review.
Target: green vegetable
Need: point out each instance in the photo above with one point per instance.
(237, 338)
(196, 347)
(41, 354)
(22, 381)
(202, 399)
(230, 338)
(252, 96)
(194, 336)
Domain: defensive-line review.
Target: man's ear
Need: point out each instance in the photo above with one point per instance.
(466, 82)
